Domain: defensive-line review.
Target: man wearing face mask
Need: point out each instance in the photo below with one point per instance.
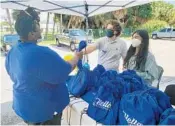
(111, 47)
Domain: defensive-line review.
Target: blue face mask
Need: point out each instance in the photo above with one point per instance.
(109, 33)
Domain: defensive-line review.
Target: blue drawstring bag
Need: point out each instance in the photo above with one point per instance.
(98, 71)
(138, 108)
(168, 117)
(109, 75)
(95, 74)
(162, 99)
(105, 77)
(133, 81)
(77, 85)
(84, 80)
(79, 64)
(119, 86)
(104, 107)
(82, 45)
(94, 77)
(89, 96)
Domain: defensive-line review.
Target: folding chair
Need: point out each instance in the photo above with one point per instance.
(160, 75)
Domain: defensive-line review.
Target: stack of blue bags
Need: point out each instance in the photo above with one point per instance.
(120, 98)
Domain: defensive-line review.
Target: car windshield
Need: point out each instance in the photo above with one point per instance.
(163, 30)
(77, 33)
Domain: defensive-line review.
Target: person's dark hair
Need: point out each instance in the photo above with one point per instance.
(116, 26)
(26, 22)
(33, 13)
(143, 52)
(170, 92)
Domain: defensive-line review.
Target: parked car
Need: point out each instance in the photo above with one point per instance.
(72, 38)
(7, 41)
(10, 39)
(164, 33)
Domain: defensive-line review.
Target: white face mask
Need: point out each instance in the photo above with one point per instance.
(40, 39)
(136, 42)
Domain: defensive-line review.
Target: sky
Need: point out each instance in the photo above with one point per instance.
(43, 16)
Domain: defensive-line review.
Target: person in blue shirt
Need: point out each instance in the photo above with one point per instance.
(38, 73)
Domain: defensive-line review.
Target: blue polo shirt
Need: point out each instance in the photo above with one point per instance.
(39, 76)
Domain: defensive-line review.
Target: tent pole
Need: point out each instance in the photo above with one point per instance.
(86, 16)
(87, 25)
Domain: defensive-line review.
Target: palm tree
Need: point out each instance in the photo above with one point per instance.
(61, 22)
(65, 20)
(70, 20)
(57, 20)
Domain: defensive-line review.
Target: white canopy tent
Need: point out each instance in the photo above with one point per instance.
(84, 8)
(73, 7)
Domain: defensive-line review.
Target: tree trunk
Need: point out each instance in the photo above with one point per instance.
(57, 28)
(9, 21)
(141, 20)
(79, 23)
(70, 20)
(74, 22)
(61, 19)
(47, 25)
(77, 20)
(53, 32)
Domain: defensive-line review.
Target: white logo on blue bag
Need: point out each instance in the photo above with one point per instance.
(102, 104)
(131, 121)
